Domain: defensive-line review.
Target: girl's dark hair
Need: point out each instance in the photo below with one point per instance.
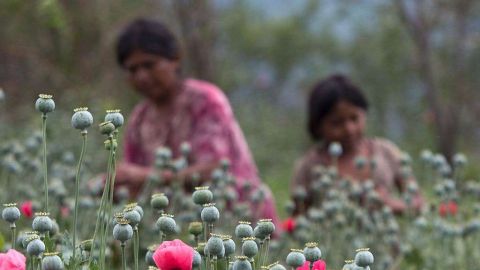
(326, 94)
(149, 36)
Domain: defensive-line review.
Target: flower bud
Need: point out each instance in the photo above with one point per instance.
(122, 231)
(159, 201)
(166, 224)
(249, 247)
(364, 257)
(82, 119)
(45, 104)
(115, 117)
(215, 245)
(42, 223)
(202, 195)
(10, 213)
(295, 258)
(51, 261)
(311, 252)
(106, 128)
(35, 246)
(210, 213)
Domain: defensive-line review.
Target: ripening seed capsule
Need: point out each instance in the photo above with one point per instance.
(215, 245)
(139, 209)
(229, 246)
(86, 245)
(364, 257)
(82, 119)
(266, 226)
(132, 216)
(249, 247)
(35, 247)
(122, 231)
(243, 230)
(115, 117)
(201, 248)
(185, 148)
(45, 104)
(295, 258)
(108, 144)
(10, 213)
(276, 266)
(42, 223)
(259, 234)
(195, 228)
(106, 128)
(166, 224)
(149, 256)
(51, 261)
(311, 252)
(335, 149)
(159, 201)
(197, 259)
(202, 195)
(210, 213)
(242, 263)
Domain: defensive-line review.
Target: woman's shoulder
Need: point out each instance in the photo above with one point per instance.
(385, 147)
(207, 92)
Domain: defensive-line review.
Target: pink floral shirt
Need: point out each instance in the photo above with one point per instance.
(202, 117)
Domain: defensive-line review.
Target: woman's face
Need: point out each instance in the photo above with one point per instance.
(153, 76)
(344, 124)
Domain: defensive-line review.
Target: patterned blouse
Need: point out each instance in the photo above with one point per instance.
(203, 117)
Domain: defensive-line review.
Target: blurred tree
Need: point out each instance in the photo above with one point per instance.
(442, 33)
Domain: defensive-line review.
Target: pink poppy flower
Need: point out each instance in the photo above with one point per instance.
(174, 255)
(27, 209)
(448, 208)
(12, 260)
(318, 265)
(289, 225)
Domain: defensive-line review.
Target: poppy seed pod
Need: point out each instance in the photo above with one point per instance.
(86, 245)
(249, 247)
(185, 148)
(229, 246)
(259, 234)
(215, 245)
(295, 258)
(360, 162)
(335, 149)
(210, 213)
(159, 201)
(364, 257)
(243, 230)
(197, 259)
(201, 248)
(166, 224)
(51, 261)
(82, 119)
(10, 213)
(266, 226)
(115, 117)
(459, 160)
(139, 209)
(132, 216)
(202, 195)
(348, 265)
(106, 128)
(35, 246)
(28, 237)
(45, 103)
(149, 255)
(276, 266)
(311, 252)
(241, 263)
(122, 231)
(195, 228)
(42, 223)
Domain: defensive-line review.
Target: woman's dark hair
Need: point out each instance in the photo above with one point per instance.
(149, 36)
(326, 94)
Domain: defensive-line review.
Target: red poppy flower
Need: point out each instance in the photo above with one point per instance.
(27, 209)
(448, 208)
(12, 260)
(289, 225)
(318, 265)
(174, 255)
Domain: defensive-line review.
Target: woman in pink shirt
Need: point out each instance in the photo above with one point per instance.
(177, 110)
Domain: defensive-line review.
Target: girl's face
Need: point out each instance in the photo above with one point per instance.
(151, 75)
(344, 124)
